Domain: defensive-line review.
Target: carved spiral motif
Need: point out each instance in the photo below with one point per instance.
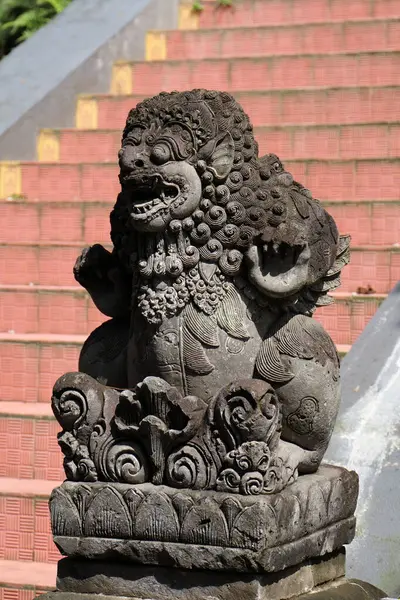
(188, 224)
(209, 192)
(256, 217)
(235, 181)
(230, 262)
(222, 194)
(175, 226)
(124, 461)
(244, 196)
(228, 235)
(236, 212)
(245, 237)
(212, 250)
(187, 468)
(252, 484)
(174, 265)
(189, 256)
(70, 408)
(86, 470)
(216, 217)
(201, 234)
(145, 268)
(205, 204)
(228, 481)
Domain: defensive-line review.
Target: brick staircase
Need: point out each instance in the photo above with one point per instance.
(321, 82)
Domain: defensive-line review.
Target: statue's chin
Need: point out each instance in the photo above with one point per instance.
(156, 224)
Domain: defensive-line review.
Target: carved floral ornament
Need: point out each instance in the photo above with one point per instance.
(211, 373)
(153, 434)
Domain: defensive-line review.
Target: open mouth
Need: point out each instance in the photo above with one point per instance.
(150, 194)
(280, 257)
(279, 269)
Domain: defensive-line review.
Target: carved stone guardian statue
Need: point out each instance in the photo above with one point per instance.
(194, 431)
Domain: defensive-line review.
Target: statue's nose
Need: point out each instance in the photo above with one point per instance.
(130, 159)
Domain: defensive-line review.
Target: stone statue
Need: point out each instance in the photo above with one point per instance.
(219, 260)
(194, 431)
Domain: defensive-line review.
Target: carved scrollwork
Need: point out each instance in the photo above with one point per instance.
(154, 434)
(189, 467)
(123, 460)
(252, 469)
(77, 404)
(246, 411)
(159, 418)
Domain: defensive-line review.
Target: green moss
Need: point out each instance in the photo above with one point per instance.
(197, 6)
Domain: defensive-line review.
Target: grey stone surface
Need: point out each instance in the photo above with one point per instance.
(204, 529)
(158, 583)
(191, 556)
(340, 589)
(73, 54)
(367, 439)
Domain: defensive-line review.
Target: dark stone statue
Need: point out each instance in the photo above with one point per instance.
(194, 432)
(219, 260)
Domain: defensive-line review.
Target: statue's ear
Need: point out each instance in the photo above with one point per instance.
(221, 157)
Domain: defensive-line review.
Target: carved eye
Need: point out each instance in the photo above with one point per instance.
(161, 153)
(277, 167)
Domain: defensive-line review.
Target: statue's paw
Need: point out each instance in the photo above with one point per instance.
(286, 464)
(90, 265)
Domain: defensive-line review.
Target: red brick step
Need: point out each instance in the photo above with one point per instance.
(327, 179)
(28, 442)
(46, 264)
(268, 73)
(31, 363)
(318, 106)
(24, 514)
(307, 38)
(23, 580)
(249, 13)
(80, 223)
(290, 142)
(36, 309)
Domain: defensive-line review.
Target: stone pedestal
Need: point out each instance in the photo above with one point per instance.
(159, 543)
(162, 526)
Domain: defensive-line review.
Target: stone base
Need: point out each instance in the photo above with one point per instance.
(316, 579)
(160, 583)
(188, 529)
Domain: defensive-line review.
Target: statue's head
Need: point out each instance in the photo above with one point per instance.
(170, 142)
(197, 198)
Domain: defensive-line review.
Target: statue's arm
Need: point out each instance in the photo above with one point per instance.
(101, 273)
